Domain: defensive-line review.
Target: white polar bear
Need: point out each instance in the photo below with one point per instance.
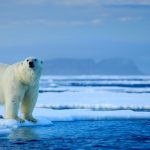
(19, 86)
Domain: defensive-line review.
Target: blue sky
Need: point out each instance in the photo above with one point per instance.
(75, 28)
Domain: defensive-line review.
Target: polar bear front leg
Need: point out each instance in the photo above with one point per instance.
(11, 110)
(28, 105)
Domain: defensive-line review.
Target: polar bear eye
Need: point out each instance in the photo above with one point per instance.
(27, 60)
(35, 60)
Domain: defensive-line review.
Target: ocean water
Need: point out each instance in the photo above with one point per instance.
(104, 134)
(87, 112)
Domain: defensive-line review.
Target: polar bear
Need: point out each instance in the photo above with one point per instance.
(19, 86)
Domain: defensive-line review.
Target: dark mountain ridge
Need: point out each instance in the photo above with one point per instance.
(112, 66)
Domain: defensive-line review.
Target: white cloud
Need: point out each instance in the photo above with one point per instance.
(77, 2)
(68, 23)
(50, 23)
(129, 18)
(82, 2)
(97, 21)
(58, 2)
(130, 2)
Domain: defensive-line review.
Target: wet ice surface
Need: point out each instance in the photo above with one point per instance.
(95, 93)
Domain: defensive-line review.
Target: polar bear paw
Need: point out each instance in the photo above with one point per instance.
(31, 119)
(20, 120)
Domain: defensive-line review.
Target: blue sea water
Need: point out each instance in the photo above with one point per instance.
(80, 135)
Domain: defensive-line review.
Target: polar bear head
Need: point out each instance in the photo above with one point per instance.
(30, 70)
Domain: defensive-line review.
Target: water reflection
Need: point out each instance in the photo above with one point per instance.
(24, 133)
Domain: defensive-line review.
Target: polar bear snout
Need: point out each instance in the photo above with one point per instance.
(31, 64)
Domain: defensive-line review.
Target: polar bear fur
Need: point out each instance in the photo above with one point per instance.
(19, 86)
